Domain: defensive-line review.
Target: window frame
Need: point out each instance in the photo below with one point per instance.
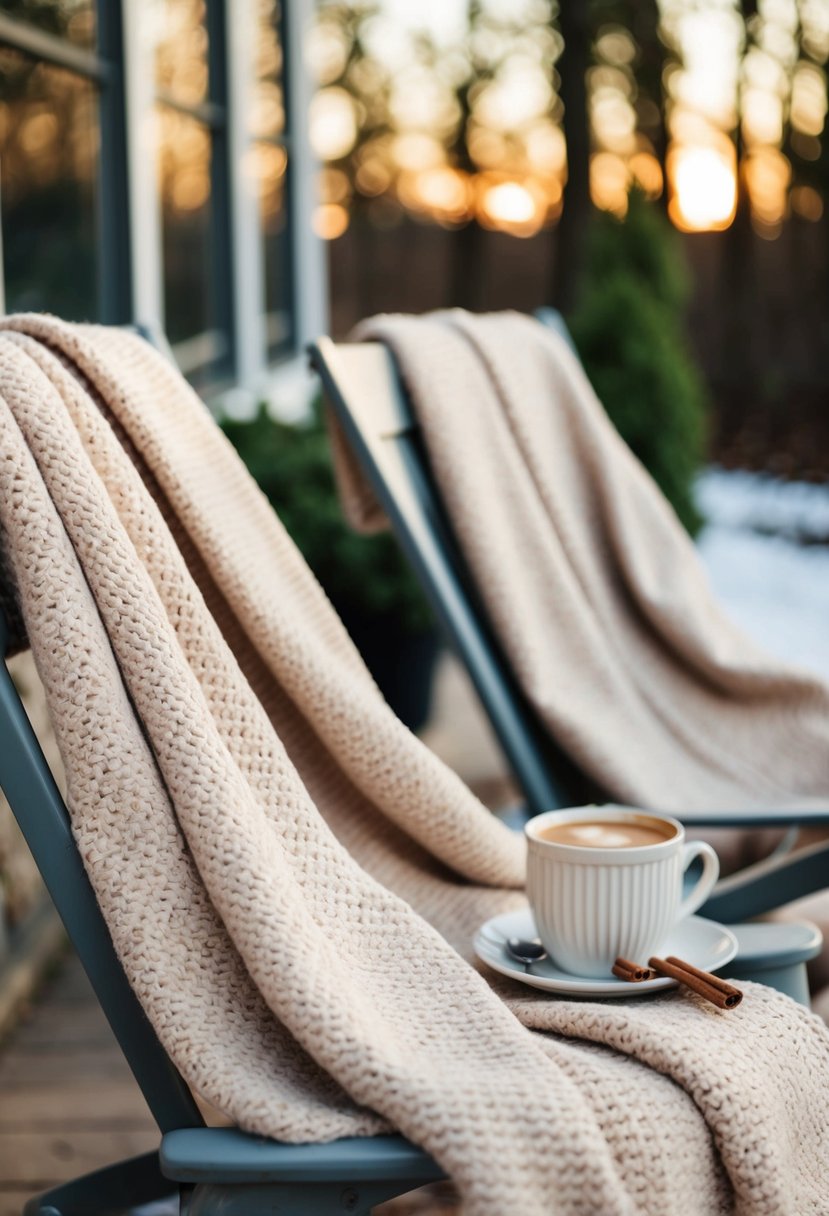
(213, 114)
(103, 65)
(128, 212)
(283, 140)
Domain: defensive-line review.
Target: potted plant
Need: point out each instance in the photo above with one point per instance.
(365, 578)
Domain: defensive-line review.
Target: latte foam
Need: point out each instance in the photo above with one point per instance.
(608, 833)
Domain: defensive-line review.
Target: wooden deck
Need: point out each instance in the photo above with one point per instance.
(69, 1104)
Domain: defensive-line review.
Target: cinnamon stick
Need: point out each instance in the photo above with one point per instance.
(632, 973)
(718, 983)
(711, 987)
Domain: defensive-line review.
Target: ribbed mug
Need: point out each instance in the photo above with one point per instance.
(592, 905)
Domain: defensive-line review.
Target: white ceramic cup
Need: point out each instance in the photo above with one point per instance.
(593, 905)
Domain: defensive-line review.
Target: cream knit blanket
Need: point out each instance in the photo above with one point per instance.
(594, 589)
(291, 879)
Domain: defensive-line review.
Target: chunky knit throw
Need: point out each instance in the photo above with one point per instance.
(292, 881)
(594, 589)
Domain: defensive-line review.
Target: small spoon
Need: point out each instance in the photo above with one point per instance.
(525, 952)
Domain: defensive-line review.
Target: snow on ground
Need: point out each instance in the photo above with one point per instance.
(766, 548)
(797, 510)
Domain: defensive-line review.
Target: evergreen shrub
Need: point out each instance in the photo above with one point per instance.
(628, 327)
(364, 576)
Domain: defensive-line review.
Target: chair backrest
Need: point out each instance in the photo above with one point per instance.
(553, 319)
(39, 808)
(363, 387)
(41, 812)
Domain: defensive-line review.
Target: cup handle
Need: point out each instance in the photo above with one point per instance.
(710, 873)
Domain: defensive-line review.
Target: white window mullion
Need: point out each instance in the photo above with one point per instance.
(140, 31)
(310, 273)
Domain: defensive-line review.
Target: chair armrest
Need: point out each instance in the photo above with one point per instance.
(770, 884)
(225, 1154)
(765, 817)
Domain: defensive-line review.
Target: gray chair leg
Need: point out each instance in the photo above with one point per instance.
(113, 1191)
(291, 1199)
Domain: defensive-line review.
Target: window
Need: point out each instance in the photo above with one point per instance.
(151, 170)
(193, 185)
(64, 223)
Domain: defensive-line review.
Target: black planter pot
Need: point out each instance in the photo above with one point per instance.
(402, 663)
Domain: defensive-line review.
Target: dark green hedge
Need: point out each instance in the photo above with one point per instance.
(629, 330)
(363, 575)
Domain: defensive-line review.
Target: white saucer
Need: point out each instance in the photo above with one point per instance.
(695, 939)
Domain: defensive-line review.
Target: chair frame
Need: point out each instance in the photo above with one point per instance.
(212, 1170)
(363, 387)
(225, 1171)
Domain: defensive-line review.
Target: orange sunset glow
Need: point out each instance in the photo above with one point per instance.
(719, 93)
(704, 188)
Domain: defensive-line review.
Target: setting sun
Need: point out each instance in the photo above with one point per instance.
(704, 189)
(509, 203)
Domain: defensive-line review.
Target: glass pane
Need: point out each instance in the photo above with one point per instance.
(268, 117)
(189, 298)
(271, 165)
(48, 168)
(70, 19)
(268, 124)
(181, 50)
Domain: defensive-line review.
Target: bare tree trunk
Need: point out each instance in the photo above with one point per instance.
(571, 235)
(740, 262)
(467, 274)
(466, 278)
(649, 76)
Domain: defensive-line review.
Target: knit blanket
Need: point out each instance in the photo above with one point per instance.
(592, 586)
(292, 880)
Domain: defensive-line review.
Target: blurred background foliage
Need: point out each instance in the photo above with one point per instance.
(655, 170)
(365, 577)
(468, 149)
(628, 327)
(292, 465)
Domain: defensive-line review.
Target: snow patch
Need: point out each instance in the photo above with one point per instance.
(797, 510)
(774, 588)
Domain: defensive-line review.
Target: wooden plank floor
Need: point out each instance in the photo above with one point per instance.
(69, 1104)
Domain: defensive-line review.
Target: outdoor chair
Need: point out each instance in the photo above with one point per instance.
(208, 1171)
(220, 1171)
(211, 1170)
(198, 1170)
(362, 385)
